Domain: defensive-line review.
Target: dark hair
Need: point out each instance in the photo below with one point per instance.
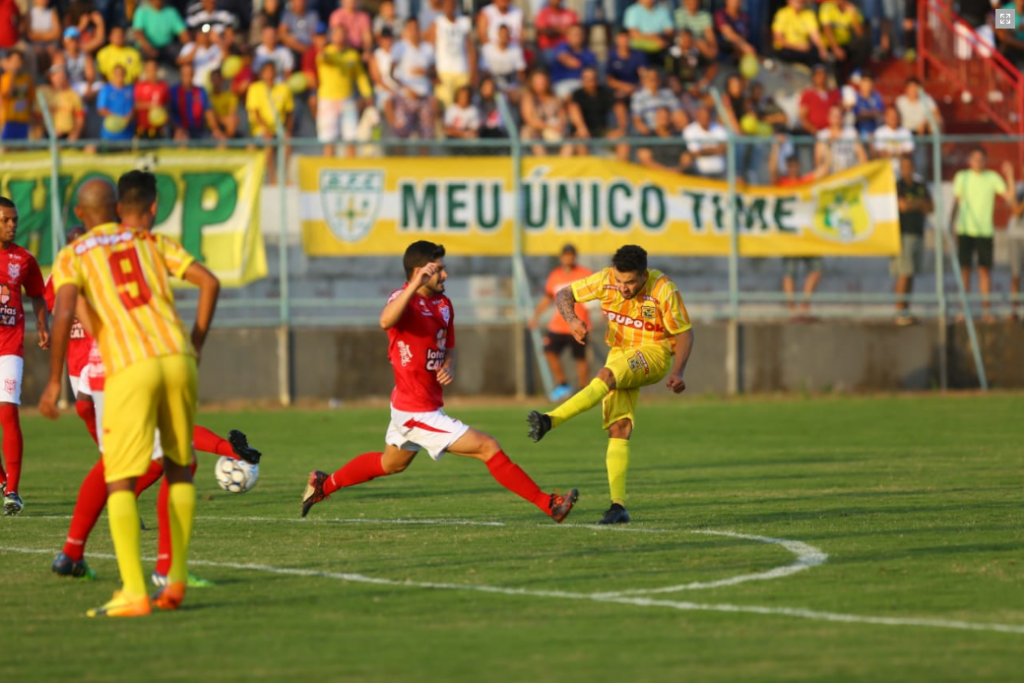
(914, 80)
(421, 253)
(7, 203)
(16, 53)
(137, 190)
(630, 259)
(977, 148)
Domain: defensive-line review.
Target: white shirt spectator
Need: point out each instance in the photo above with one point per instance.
(218, 19)
(495, 19)
(462, 118)
(697, 138)
(914, 115)
(206, 60)
(893, 143)
(504, 65)
(450, 43)
(384, 62)
(280, 56)
(843, 148)
(407, 59)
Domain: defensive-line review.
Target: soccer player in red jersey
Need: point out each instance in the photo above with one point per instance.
(420, 321)
(18, 269)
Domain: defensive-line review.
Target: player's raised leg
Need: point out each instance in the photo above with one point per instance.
(360, 469)
(584, 400)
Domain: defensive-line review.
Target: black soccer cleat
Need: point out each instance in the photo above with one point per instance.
(616, 515)
(314, 492)
(562, 505)
(540, 425)
(65, 566)
(240, 445)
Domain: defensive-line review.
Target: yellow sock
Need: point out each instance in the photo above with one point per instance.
(617, 461)
(584, 400)
(181, 508)
(123, 513)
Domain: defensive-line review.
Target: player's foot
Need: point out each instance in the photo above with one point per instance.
(122, 606)
(615, 515)
(170, 596)
(13, 504)
(561, 392)
(314, 493)
(240, 445)
(193, 582)
(65, 566)
(540, 425)
(561, 505)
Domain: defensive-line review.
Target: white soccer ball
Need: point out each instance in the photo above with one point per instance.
(236, 476)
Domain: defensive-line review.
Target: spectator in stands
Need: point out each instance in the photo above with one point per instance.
(690, 17)
(868, 110)
(816, 100)
(651, 97)
(505, 61)
(690, 71)
(622, 71)
(650, 29)
(270, 50)
(454, 51)
(915, 203)
(65, 105)
(298, 26)
(206, 12)
(159, 30)
(224, 104)
(150, 93)
(357, 26)
(269, 15)
(845, 35)
(116, 103)
(838, 147)
(893, 141)
(705, 145)
(344, 90)
(119, 54)
(202, 54)
(17, 97)
(736, 103)
(1011, 41)
(10, 25)
(496, 14)
(268, 102)
(80, 66)
(592, 109)
(975, 190)
(190, 110)
(429, 11)
(544, 115)
(308, 64)
(570, 59)
(791, 265)
(462, 118)
(44, 32)
(796, 35)
(413, 69)
(668, 156)
(83, 16)
(492, 125)
(734, 30)
(385, 87)
(386, 18)
(766, 108)
(552, 23)
(913, 106)
(243, 79)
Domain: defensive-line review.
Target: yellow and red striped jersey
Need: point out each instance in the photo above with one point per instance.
(123, 273)
(653, 316)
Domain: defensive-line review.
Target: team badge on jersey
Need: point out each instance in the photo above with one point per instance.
(350, 201)
(446, 313)
(13, 270)
(648, 312)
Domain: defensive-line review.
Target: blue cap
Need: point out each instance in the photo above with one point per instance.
(72, 32)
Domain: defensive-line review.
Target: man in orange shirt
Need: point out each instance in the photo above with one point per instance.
(559, 334)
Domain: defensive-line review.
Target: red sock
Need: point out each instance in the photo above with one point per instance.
(87, 412)
(92, 497)
(362, 468)
(512, 478)
(14, 444)
(205, 440)
(163, 553)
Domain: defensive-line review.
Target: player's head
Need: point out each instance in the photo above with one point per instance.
(8, 221)
(907, 167)
(97, 203)
(421, 253)
(74, 232)
(977, 157)
(629, 270)
(136, 191)
(568, 257)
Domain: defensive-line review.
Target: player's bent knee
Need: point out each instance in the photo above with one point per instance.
(621, 429)
(606, 376)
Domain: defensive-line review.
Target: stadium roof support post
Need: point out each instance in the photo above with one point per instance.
(284, 381)
(732, 341)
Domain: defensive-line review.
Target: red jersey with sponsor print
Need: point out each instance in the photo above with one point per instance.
(18, 269)
(416, 349)
(80, 342)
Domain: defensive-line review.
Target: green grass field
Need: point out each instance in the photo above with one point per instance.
(916, 501)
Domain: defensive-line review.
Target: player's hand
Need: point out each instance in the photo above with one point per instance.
(48, 402)
(421, 275)
(44, 339)
(446, 374)
(675, 383)
(579, 330)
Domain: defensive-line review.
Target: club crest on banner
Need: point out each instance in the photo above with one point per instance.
(351, 200)
(840, 214)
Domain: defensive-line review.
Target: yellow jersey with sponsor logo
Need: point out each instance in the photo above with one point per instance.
(124, 274)
(654, 316)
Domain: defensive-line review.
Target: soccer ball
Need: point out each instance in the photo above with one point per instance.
(236, 476)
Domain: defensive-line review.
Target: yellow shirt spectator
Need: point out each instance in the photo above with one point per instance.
(842, 21)
(110, 56)
(259, 99)
(17, 93)
(337, 70)
(224, 103)
(65, 107)
(796, 28)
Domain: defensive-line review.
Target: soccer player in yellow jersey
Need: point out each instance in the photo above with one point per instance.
(650, 338)
(123, 272)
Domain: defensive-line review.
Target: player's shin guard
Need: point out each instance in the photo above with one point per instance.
(14, 444)
(123, 512)
(181, 509)
(513, 478)
(584, 400)
(617, 461)
(87, 412)
(211, 443)
(163, 554)
(92, 497)
(362, 468)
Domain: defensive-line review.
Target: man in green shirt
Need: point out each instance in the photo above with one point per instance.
(156, 27)
(975, 190)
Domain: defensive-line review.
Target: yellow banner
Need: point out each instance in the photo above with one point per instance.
(358, 207)
(207, 200)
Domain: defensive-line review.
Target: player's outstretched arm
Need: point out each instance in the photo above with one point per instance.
(684, 345)
(39, 307)
(394, 309)
(63, 316)
(209, 290)
(565, 302)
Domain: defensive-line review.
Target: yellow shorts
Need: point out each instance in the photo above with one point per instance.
(448, 84)
(154, 393)
(633, 369)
